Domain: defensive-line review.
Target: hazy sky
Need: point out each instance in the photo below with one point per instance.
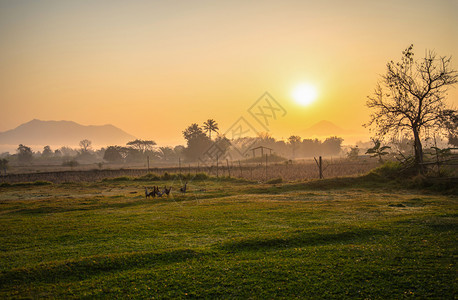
(154, 67)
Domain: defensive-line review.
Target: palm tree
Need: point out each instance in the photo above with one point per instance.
(210, 126)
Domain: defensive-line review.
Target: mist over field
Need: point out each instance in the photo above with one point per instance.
(228, 149)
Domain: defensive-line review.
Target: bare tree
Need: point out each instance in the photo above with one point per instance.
(410, 98)
(85, 145)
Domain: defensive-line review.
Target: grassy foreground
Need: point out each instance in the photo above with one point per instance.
(226, 239)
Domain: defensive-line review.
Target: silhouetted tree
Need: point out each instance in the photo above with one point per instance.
(209, 126)
(451, 123)
(47, 152)
(67, 151)
(311, 147)
(332, 145)
(353, 153)
(166, 153)
(197, 142)
(3, 165)
(410, 98)
(178, 150)
(142, 145)
(223, 144)
(70, 163)
(113, 154)
(24, 154)
(193, 131)
(294, 141)
(453, 140)
(266, 137)
(85, 145)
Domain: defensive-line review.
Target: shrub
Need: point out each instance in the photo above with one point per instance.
(121, 178)
(419, 181)
(166, 176)
(389, 169)
(41, 182)
(70, 163)
(148, 177)
(275, 180)
(200, 176)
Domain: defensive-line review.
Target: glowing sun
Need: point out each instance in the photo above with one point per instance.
(304, 94)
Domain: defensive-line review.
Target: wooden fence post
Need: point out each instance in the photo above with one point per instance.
(228, 168)
(217, 165)
(320, 166)
(266, 166)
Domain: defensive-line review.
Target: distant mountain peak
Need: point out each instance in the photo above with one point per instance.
(64, 133)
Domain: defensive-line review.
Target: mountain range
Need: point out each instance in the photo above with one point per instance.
(63, 133)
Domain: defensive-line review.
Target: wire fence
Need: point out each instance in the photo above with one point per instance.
(288, 171)
(261, 171)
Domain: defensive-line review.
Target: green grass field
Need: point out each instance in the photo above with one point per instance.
(226, 239)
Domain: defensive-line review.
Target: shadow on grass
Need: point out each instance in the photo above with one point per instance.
(138, 201)
(301, 240)
(437, 223)
(366, 181)
(43, 210)
(82, 269)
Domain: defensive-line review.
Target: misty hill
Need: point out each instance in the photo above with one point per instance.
(324, 128)
(64, 133)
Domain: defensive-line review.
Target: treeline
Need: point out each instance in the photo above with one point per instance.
(133, 152)
(199, 142)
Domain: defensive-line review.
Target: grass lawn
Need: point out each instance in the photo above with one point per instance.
(226, 239)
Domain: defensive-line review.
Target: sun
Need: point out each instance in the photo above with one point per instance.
(304, 94)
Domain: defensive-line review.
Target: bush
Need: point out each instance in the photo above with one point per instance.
(148, 177)
(121, 178)
(200, 176)
(389, 169)
(419, 181)
(34, 183)
(70, 163)
(41, 182)
(275, 180)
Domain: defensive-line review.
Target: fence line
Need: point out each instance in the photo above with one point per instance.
(250, 171)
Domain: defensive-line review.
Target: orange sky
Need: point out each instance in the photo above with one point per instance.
(154, 67)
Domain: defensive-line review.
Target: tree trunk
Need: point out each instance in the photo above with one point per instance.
(418, 150)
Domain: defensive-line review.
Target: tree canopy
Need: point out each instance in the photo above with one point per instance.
(142, 145)
(24, 153)
(211, 126)
(409, 98)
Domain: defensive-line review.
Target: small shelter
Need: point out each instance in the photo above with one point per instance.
(262, 150)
